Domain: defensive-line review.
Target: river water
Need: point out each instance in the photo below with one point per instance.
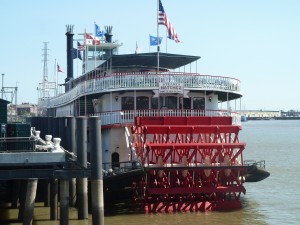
(272, 201)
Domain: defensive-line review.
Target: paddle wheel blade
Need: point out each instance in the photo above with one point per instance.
(190, 163)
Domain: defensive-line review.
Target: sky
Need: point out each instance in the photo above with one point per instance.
(255, 41)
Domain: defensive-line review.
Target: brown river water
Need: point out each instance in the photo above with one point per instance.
(271, 201)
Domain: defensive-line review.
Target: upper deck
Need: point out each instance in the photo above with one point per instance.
(227, 88)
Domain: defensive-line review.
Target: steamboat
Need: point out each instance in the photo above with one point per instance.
(180, 128)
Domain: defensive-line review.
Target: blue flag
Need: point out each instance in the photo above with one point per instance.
(155, 40)
(98, 31)
(76, 54)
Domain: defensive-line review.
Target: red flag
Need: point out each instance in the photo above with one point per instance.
(96, 41)
(90, 40)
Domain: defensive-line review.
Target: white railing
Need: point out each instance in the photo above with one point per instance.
(143, 80)
(127, 116)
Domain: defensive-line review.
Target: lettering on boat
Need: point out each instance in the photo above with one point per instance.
(170, 88)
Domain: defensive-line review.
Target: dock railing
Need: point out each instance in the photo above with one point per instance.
(17, 144)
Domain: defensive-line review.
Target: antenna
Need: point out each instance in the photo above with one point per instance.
(2, 89)
(46, 88)
(45, 60)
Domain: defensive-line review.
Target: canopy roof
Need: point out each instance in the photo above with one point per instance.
(149, 60)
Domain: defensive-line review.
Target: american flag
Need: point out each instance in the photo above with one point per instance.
(164, 20)
(59, 69)
(80, 47)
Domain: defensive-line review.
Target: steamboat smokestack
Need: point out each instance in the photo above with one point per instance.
(69, 35)
(108, 35)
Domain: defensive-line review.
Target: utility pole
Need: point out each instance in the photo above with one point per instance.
(9, 90)
(13, 91)
(2, 89)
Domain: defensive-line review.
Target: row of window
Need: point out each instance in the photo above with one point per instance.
(169, 102)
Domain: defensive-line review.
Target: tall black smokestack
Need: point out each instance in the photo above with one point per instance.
(108, 35)
(69, 35)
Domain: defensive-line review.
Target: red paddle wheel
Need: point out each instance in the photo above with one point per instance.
(188, 167)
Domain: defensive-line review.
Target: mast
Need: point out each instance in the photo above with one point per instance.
(2, 89)
(157, 35)
(45, 68)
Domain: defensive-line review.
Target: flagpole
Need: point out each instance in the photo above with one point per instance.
(158, 101)
(94, 42)
(85, 52)
(56, 77)
(76, 59)
(166, 41)
(157, 35)
(149, 43)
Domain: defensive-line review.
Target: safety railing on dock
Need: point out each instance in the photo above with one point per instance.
(17, 144)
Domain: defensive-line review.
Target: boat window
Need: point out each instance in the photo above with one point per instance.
(115, 160)
(198, 103)
(186, 103)
(142, 102)
(171, 102)
(127, 103)
(154, 102)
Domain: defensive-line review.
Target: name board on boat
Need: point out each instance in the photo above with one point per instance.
(170, 88)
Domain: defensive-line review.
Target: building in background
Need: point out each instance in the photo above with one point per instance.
(19, 113)
(261, 114)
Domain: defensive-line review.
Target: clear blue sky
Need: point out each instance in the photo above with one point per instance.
(256, 41)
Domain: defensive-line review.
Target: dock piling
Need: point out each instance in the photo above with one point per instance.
(29, 201)
(71, 146)
(15, 194)
(64, 201)
(81, 183)
(96, 171)
(22, 199)
(62, 131)
(54, 199)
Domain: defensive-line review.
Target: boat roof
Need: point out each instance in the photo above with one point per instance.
(149, 60)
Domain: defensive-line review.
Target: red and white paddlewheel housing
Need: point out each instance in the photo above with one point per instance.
(188, 166)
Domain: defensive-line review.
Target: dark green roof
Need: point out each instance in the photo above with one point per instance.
(149, 60)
